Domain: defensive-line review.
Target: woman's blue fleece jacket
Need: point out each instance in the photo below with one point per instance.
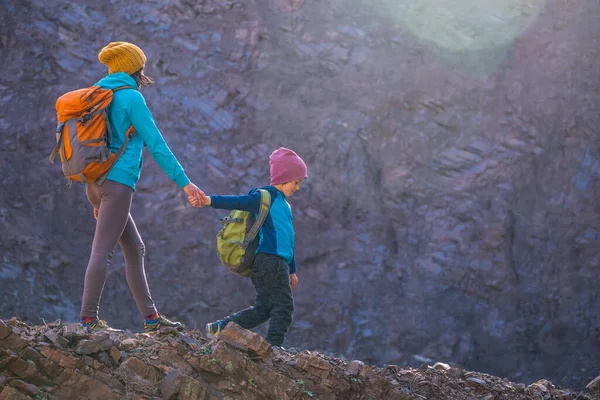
(128, 108)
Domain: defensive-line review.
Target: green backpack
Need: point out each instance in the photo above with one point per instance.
(237, 241)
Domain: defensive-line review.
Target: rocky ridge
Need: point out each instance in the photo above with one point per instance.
(482, 244)
(59, 361)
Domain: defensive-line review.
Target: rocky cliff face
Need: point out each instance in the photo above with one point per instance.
(451, 209)
(58, 361)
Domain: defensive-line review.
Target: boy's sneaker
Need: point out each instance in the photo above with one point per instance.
(92, 324)
(213, 328)
(153, 325)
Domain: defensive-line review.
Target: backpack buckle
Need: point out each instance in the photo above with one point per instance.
(86, 118)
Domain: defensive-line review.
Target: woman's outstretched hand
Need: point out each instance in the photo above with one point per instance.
(196, 197)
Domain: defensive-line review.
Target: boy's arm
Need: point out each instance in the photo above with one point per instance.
(246, 202)
(293, 265)
(293, 276)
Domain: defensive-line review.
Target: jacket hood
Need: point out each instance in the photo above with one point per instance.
(271, 189)
(113, 81)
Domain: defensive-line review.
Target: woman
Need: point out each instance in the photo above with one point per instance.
(112, 199)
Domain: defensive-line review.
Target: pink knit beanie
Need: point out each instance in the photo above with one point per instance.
(286, 166)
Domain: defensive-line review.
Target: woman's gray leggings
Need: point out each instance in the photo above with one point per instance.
(114, 225)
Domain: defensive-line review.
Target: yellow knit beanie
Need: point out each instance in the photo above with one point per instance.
(122, 57)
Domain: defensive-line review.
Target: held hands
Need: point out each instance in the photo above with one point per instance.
(293, 281)
(196, 197)
(195, 203)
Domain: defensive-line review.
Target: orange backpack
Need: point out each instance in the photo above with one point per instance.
(83, 134)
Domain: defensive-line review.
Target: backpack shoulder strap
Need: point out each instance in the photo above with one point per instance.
(131, 131)
(265, 206)
(128, 135)
(123, 87)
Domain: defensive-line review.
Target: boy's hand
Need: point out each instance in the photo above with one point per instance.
(194, 202)
(195, 193)
(293, 281)
(95, 213)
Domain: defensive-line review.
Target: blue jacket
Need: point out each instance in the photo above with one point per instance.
(276, 235)
(128, 108)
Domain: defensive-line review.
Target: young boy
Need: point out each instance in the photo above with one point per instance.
(274, 268)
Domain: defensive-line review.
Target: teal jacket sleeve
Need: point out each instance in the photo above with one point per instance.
(144, 125)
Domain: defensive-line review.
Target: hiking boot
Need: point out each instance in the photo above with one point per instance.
(161, 322)
(92, 324)
(213, 328)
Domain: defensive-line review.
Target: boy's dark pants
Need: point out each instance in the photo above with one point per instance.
(271, 278)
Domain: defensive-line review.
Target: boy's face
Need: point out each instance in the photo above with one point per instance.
(289, 188)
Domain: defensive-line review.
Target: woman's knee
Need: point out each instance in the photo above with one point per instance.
(101, 259)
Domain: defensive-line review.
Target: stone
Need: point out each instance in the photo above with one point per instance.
(540, 388)
(128, 344)
(457, 372)
(52, 335)
(109, 379)
(177, 345)
(594, 384)
(25, 369)
(10, 393)
(170, 356)
(354, 367)
(441, 366)
(375, 382)
(17, 366)
(229, 386)
(194, 347)
(133, 366)
(191, 389)
(246, 340)
(204, 364)
(271, 383)
(115, 354)
(50, 368)
(5, 331)
(95, 364)
(25, 387)
(61, 358)
(72, 384)
(94, 344)
(29, 353)
(477, 381)
(169, 387)
(6, 357)
(72, 328)
(315, 365)
(104, 358)
(231, 361)
(13, 342)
